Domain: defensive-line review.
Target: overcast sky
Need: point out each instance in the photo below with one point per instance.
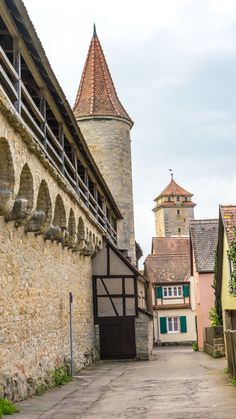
(173, 63)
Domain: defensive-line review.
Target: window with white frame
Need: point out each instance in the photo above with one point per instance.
(173, 324)
(173, 291)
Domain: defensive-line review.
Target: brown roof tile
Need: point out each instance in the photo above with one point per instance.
(97, 94)
(170, 246)
(204, 236)
(173, 189)
(170, 260)
(228, 213)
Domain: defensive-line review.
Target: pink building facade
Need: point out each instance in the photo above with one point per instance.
(203, 242)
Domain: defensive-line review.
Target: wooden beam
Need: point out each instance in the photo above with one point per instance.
(17, 67)
(43, 113)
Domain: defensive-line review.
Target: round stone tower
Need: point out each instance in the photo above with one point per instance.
(106, 127)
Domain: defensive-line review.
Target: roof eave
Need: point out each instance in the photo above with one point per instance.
(105, 116)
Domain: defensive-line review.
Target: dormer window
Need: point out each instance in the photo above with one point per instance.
(172, 291)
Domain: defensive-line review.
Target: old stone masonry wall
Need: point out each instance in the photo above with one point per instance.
(35, 281)
(46, 243)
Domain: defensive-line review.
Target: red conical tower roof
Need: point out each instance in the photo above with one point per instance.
(173, 189)
(97, 94)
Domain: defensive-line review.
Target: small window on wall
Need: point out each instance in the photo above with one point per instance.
(178, 212)
(176, 324)
(178, 198)
(173, 291)
(169, 198)
(179, 230)
(172, 324)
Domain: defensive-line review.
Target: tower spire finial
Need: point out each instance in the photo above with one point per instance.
(172, 174)
(94, 31)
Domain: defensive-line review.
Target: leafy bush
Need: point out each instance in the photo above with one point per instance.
(7, 408)
(232, 381)
(214, 317)
(195, 346)
(232, 258)
(61, 376)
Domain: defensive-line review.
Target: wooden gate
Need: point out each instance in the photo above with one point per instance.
(117, 338)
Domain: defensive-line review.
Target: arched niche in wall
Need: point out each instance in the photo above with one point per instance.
(72, 228)
(81, 229)
(41, 218)
(44, 202)
(59, 219)
(80, 241)
(7, 178)
(58, 229)
(24, 202)
(26, 190)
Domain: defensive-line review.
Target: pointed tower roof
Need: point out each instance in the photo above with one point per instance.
(97, 94)
(173, 189)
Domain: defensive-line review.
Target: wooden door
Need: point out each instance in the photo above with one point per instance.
(117, 338)
(233, 319)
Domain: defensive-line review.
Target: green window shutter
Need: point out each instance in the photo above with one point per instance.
(163, 325)
(158, 292)
(186, 290)
(183, 324)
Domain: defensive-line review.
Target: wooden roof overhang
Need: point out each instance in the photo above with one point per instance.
(17, 18)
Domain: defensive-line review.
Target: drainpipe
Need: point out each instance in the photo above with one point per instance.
(71, 341)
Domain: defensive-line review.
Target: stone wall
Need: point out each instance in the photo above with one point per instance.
(35, 280)
(46, 241)
(109, 144)
(167, 221)
(214, 344)
(144, 335)
(174, 221)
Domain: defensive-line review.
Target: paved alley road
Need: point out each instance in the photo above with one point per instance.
(177, 384)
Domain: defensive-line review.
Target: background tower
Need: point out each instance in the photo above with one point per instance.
(173, 211)
(106, 126)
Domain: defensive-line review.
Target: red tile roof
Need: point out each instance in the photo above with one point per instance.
(170, 246)
(97, 94)
(173, 189)
(228, 213)
(170, 260)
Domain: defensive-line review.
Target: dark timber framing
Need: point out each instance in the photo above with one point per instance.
(115, 277)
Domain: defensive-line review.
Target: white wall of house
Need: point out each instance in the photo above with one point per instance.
(177, 336)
